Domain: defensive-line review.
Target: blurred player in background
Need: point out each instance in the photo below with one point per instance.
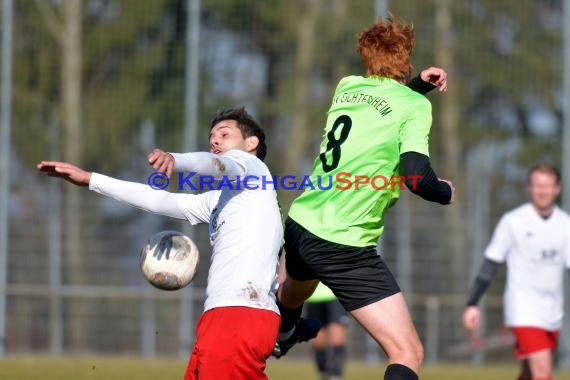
(237, 332)
(376, 126)
(534, 241)
(329, 346)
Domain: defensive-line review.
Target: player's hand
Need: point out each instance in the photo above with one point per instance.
(66, 171)
(161, 161)
(435, 76)
(471, 317)
(452, 199)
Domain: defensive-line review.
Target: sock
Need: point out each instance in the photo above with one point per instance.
(289, 318)
(321, 359)
(338, 359)
(399, 372)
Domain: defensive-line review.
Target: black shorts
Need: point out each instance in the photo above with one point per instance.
(357, 275)
(327, 312)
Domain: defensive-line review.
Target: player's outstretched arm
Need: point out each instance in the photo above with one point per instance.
(134, 194)
(202, 163)
(68, 172)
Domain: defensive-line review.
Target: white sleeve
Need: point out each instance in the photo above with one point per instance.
(194, 208)
(230, 165)
(567, 250)
(500, 243)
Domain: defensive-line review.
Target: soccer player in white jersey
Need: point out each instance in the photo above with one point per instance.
(246, 234)
(534, 241)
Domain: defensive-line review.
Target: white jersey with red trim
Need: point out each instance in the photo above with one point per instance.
(245, 225)
(536, 251)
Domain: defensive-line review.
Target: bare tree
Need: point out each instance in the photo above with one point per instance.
(451, 145)
(300, 133)
(67, 30)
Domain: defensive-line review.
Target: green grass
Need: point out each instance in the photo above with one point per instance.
(97, 368)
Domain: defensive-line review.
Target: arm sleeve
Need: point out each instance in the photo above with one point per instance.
(417, 84)
(203, 163)
(486, 274)
(501, 242)
(194, 208)
(567, 252)
(421, 179)
(414, 130)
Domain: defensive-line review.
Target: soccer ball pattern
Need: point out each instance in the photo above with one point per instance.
(169, 260)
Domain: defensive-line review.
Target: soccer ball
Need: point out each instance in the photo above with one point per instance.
(169, 260)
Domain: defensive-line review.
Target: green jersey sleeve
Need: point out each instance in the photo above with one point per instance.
(414, 131)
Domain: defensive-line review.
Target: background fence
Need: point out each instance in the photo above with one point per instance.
(101, 82)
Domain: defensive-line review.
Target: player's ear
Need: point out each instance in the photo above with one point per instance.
(251, 143)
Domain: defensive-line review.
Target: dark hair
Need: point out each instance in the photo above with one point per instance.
(546, 169)
(246, 124)
(385, 49)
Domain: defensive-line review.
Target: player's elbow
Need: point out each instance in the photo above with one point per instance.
(416, 184)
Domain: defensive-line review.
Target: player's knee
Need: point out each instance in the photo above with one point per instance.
(409, 353)
(420, 353)
(415, 353)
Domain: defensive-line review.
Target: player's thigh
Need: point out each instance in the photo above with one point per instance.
(388, 321)
(540, 364)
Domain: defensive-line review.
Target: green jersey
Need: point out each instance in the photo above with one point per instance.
(355, 178)
(321, 294)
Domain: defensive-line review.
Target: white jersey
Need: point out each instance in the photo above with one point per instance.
(536, 251)
(245, 226)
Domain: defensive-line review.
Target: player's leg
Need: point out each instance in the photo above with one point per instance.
(535, 346)
(319, 343)
(300, 282)
(337, 330)
(389, 323)
(320, 353)
(337, 341)
(290, 298)
(540, 364)
(525, 371)
(294, 329)
(249, 338)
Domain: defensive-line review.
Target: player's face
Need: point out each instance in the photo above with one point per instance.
(225, 136)
(543, 190)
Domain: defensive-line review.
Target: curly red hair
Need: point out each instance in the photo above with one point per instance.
(385, 49)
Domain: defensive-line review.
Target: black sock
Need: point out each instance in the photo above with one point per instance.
(321, 359)
(399, 372)
(289, 317)
(338, 359)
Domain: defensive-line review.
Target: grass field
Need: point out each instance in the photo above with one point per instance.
(36, 368)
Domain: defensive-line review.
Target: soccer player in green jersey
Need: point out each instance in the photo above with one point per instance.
(375, 140)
